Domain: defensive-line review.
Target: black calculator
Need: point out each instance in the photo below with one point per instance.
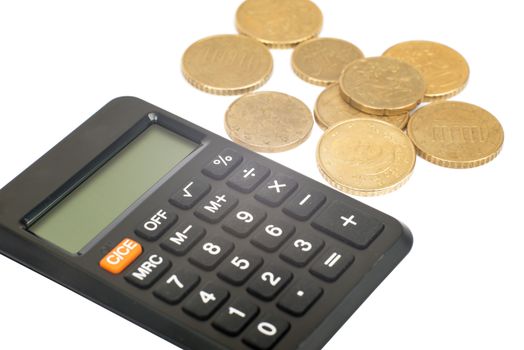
(194, 238)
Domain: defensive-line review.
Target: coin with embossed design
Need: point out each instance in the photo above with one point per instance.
(227, 64)
(456, 134)
(320, 61)
(445, 71)
(279, 23)
(365, 157)
(382, 86)
(331, 109)
(268, 121)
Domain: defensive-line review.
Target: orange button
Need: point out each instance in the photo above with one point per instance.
(121, 256)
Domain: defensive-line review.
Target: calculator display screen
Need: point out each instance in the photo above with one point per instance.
(99, 200)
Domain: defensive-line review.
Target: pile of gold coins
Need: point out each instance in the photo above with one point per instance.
(366, 105)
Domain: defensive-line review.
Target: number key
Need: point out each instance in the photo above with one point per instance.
(235, 316)
(265, 333)
(243, 221)
(210, 253)
(272, 235)
(177, 286)
(271, 280)
(240, 268)
(301, 250)
(206, 301)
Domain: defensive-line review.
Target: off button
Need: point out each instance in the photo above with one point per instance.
(121, 256)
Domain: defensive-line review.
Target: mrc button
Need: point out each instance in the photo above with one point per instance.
(148, 270)
(121, 256)
(155, 225)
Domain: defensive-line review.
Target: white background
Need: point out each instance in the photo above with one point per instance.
(462, 285)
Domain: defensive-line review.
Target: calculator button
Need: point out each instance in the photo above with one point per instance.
(176, 286)
(157, 224)
(266, 332)
(222, 164)
(299, 298)
(210, 252)
(242, 221)
(239, 268)
(183, 238)
(304, 204)
(148, 270)
(189, 194)
(216, 206)
(206, 301)
(269, 282)
(330, 265)
(121, 256)
(348, 224)
(272, 235)
(248, 177)
(276, 190)
(235, 316)
(301, 249)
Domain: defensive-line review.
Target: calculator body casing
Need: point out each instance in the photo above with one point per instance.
(95, 141)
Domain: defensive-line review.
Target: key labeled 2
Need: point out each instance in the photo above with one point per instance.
(269, 282)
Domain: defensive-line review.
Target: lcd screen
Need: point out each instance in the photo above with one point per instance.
(99, 200)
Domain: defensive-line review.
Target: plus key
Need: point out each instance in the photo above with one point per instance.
(348, 224)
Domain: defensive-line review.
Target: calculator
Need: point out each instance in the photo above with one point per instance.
(194, 238)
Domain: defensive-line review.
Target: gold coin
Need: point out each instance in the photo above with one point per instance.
(365, 157)
(331, 109)
(456, 134)
(445, 71)
(279, 23)
(268, 121)
(320, 61)
(227, 64)
(382, 86)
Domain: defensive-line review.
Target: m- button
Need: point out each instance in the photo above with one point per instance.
(155, 225)
(121, 256)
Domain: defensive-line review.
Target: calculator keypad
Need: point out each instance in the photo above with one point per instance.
(214, 216)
